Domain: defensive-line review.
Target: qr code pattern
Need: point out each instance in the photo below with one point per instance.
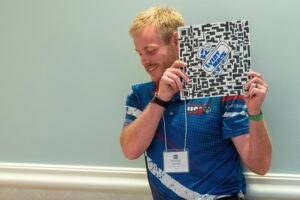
(218, 57)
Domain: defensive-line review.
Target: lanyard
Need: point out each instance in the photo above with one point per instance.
(185, 130)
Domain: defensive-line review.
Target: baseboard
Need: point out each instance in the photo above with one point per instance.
(128, 180)
(111, 179)
(273, 186)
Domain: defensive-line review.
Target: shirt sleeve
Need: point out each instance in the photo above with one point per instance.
(132, 108)
(235, 118)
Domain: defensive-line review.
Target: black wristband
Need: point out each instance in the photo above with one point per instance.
(160, 102)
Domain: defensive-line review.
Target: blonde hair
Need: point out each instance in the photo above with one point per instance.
(166, 21)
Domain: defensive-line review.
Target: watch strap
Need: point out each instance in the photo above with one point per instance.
(160, 102)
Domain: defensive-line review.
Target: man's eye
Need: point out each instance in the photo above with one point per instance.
(152, 51)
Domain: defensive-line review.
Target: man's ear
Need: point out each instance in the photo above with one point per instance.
(175, 38)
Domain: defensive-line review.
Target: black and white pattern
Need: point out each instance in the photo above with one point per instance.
(218, 57)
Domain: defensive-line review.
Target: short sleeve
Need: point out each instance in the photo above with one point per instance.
(132, 108)
(235, 118)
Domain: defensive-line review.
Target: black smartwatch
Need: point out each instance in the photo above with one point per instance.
(160, 102)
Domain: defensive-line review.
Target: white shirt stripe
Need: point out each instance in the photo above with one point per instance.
(233, 114)
(133, 111)
(175, 186)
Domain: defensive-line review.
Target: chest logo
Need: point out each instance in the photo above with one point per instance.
(197, 109)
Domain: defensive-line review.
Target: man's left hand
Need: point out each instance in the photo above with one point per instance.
(257, 90)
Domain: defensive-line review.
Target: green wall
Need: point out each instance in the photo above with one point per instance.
(66, 67)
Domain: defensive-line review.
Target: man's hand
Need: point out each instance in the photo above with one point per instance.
(170, 82)
(257, 90)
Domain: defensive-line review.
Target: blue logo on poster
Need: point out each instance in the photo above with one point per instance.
(214, 59)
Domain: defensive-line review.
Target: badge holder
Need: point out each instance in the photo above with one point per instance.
(176, 161)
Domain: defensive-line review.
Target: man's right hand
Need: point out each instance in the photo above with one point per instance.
(170, 82)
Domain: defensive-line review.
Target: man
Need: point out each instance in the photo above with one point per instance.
(190, 156)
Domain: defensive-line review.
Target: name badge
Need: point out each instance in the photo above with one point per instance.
(176, 161)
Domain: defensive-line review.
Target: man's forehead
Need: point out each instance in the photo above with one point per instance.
(147, 41)
(148, 32)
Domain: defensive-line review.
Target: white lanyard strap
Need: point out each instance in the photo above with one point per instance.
(185, 129)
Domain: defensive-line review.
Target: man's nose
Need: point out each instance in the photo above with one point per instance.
(145, 60)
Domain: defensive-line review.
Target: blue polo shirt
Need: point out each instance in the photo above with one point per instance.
(215, 168)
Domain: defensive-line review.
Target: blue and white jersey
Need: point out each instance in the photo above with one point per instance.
(215, 168)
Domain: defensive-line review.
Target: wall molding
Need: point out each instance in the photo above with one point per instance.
(69, 177)
(128, 180)
(273, 186)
